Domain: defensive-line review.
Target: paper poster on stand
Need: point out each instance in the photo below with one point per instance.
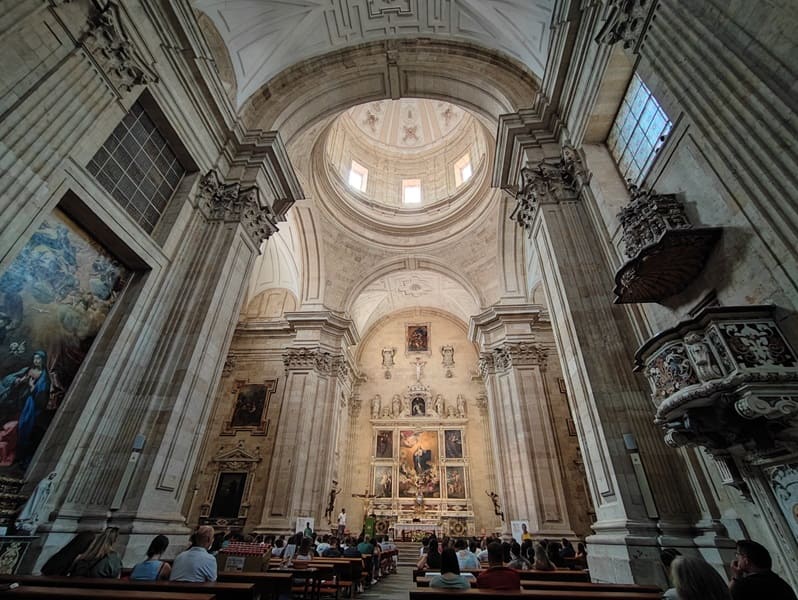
(517, 529)
(304, 522)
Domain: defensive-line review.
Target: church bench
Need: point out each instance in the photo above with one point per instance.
(526, 575)
(65, 593)
(438, 594)
(575, 586)
(267, 584)
(221, 591)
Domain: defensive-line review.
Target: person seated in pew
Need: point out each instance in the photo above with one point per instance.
(542, 562)
(323, 545)
(333, 550)
(497, 576)
(450, 576)
(567, 550)
(432, 558)
(305, 552)
(100, 559)
(465, 558)
(517, 560)
(196, 565)
(60, 562)
(351, 551)
(695, 579)
(153, 568)
(277, 550)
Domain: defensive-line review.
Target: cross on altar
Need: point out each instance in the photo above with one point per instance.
(365, 498)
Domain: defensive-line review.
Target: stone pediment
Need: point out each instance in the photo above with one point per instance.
(238, 455)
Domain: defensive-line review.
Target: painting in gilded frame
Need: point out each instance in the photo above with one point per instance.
(419, 464)
(54, 298)
(383, 482)
(455, 482)
(453, 443)
(384, 444)
(417, 338)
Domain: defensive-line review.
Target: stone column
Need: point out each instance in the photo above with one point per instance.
(319, 373)
(527, 464)
(637, 485)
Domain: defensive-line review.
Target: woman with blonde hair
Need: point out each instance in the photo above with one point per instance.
(100, 559)
(695, 579)
(542, 562)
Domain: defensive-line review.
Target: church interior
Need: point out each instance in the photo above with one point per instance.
(456, 265)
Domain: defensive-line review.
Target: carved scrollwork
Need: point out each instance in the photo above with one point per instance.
(626, 22)
(723, 379)
(107, 43)
(312, 359)
(665, 251)
(230, 203)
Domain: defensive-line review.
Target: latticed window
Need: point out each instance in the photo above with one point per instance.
(639, 130)
(138, 168)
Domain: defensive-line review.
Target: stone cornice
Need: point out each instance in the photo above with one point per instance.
(331, 328)
(513, 355)
(505, 322)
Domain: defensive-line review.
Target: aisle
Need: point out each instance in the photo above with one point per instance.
(393, 587)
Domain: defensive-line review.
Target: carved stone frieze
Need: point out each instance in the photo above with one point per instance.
(725, 378)
(107, 43)
(517, 355)
(311, 359)
(231, 203)
(665, 251)
(551, 181)
(626, 22)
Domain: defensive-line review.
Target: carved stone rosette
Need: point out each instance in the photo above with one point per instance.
(726, 379)
(230, 203)
(551, 181)
(665, 251)
(109, 47)
(626, 22)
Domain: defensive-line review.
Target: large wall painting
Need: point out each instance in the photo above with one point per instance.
(54, 297)
(419, 464)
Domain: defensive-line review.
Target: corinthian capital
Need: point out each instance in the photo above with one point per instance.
(551, 181)
(232, 204)
(312, 359)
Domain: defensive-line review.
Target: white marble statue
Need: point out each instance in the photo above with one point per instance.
(375, 406)
(31, 514)
(461, 406)
(396, 405)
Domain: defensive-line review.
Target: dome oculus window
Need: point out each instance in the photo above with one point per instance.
(358, 176)
(462, 170)
(411, 191)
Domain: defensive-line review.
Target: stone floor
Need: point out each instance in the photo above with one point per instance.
(393, 587)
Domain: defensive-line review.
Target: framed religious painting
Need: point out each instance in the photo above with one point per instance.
(453, 443)
(383, 482)
(384, 445)
(417, 338)
(419, 464)
(250, 407)
(228, 495)
(455, 483)
(54, 298)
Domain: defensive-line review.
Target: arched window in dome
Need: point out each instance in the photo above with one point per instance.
(411, 191)
(358, 176)
(462, 170)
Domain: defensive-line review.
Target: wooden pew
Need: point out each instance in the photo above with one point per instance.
(267, 584)
(576, 586)
(438, 594)
(25, 592)
(526, 575)
(221, 591)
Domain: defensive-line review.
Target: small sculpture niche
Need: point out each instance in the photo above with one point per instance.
(447, 352)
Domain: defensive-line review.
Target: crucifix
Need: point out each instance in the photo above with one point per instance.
(419, 365)
(365, 498)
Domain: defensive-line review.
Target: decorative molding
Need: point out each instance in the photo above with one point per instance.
(724, 379)
(551, 181)
(235, 459)
(113, 52)
(229, 365)
(665, 251)
(262, 425)
(627, 22)
(315, 359)
(230, 203)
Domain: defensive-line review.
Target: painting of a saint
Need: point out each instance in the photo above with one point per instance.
(419, 407)
(455, 482)
(384, 448)
(383, 482)
(419, 469)
(54, 297)
(227, 499)
(453, 442)
(417, 338)
(249, 405)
